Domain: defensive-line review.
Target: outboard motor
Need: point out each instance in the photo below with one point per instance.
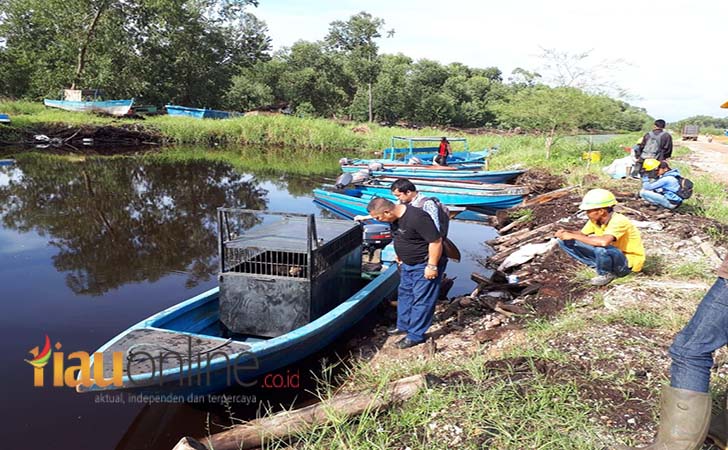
(414, 160)
(375, 166)
(376, 236)
(344, 180)
(359, 177)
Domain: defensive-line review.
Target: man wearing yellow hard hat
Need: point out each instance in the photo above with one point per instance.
(609, 242)
(663, 191)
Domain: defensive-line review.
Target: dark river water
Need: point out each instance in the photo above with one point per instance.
(88, 248)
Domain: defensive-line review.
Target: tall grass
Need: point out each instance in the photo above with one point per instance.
(256, 159)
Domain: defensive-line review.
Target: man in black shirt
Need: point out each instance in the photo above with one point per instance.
(419, 254)
(657, 144)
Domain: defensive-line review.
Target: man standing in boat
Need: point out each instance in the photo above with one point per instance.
(418, 246)
(443, 152)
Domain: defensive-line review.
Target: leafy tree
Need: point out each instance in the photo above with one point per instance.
(392, 101)
(158, 49)
(247, 93)
(355, 38)
(552, 111)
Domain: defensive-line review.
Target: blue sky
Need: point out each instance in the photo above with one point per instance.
(677, 64)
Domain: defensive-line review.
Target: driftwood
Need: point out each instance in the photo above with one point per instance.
(285, 424)
(632, 210)
(513, 224)
(548, 196)
(522, 238)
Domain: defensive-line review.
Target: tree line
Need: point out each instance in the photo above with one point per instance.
(216, 53)
(703, 122)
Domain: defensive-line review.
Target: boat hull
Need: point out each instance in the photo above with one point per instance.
(403, 157)
(495, 199)
(483, 176)
(4, 118)
(348, 206)
(113, 107)
(198, 113)
(232, 362)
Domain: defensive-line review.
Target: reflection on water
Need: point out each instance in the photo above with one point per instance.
(115, 221)
(88, 248)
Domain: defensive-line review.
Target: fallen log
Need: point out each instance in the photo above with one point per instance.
(507, 237)
(285, 424)
(514, 224)
(536, 232)
(548, 196)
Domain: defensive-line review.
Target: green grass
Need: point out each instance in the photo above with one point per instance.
(638, 317)
(490, 411)
(693, 270)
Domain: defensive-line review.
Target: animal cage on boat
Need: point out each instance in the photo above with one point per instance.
(280, 271)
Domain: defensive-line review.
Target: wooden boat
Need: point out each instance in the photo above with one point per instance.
(199, 113)
(89, 101)
(500, 196)
(113, 107)
(352, 202)
(484, 176)
(4, 118)
(356, 166)
(192, 329)
(7, 162)
(403, 148)
(201, 355)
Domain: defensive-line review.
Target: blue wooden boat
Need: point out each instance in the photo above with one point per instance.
(201, 355)
(500, 196)
(483, 176)
(4, 118)
(113, 107)
(356, 166)
(403, 148)
(90, 100)
(7, 162)
(199, 113)
(194, 324)
(353, 202)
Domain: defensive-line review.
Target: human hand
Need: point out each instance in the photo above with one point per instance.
(430, 272)
(562, 234)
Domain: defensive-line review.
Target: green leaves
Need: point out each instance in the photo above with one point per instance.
(159, 50)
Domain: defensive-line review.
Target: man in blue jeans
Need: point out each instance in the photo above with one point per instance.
(686, 403)
(421, 261)
(609, 242)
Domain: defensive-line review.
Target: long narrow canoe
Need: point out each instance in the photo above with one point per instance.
(426, 157)
(350, 203)
(113, 107)
(356, 166)
(484, 176)
(4, 118)
(199, 359)
(503, 197)
(199, 113)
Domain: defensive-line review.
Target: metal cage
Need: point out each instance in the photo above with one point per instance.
(279, 271)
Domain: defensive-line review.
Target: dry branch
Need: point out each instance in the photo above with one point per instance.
(285, 424)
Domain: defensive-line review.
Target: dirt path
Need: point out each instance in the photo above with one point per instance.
(708, 157)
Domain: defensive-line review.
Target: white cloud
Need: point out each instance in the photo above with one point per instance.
(675, 46)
